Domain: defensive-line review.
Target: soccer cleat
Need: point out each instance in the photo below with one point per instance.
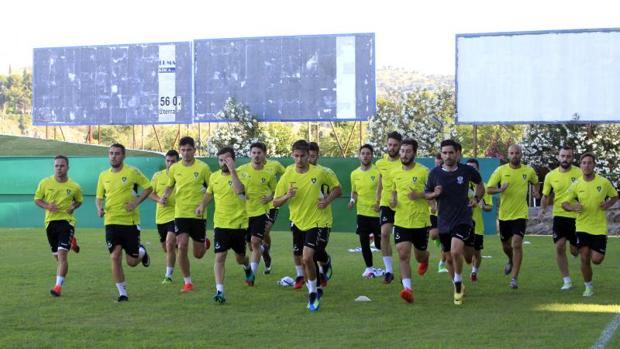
(388, 278)
(589, 292)
(313, 302)
(166, 281)
(249, 277)
(567, 286)
(187, 288)
(368, 273)
(319, 293)
(407, 295)
(146, 260)
(508, 268)
(422, 268)
(299, 282)
(207, 243)
(56, 291)
(473, 277)
(329, 271)
(267, 259)
(74, 245)
(441, 267)
(267, 270)
(458, 297)
(514, 284)
(219, 297)
(122, 299)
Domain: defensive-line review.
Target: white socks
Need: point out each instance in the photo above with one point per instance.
(387, 260)
(121, 288)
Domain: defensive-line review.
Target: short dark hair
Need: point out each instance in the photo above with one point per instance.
(173, 152)
(395, 135)
(588, 154)
(259, 145)
(301, 145)
(63, 158)
(369, 147)
(412, 142)
(313, 146)
(120, 146)
(450, 142)
(227, 149)
(187, 140)
(566, 147)
(438, 156)
(473, 161)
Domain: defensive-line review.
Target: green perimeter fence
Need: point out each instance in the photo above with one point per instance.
(20, 175)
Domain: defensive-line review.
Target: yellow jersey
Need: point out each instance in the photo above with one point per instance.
(410, 214)
(229, 207)
(385, 166)
(62, 194)
(258, 183)
(557, 182)
(118, 189)
(591, 194)
(364, 183)
(159, 182)
(189, 184)
(513, 201)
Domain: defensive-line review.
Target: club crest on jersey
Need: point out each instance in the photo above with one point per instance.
(263, 180)
(313, 180)
(573, 179)
(195, 174)
(414, 179)
(524, 176)
(372, 178)
(459, 180)
(230, 183)
(599, 188)
(124, 179)
(68, 192)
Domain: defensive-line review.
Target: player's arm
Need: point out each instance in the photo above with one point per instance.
(379, 188)
(99, 197)
(283, 195)
(432, 190)
(46, 206)
(77, 201)
(494, 186)
(99, 205)
(535, 183)
(576, 206)
(612, 196)
(147, 190)
(206, 198)
(333, 194)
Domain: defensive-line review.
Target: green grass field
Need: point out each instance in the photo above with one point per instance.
(26, 146)
(537, 315)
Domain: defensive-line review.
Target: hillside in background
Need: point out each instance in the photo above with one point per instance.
(399, 79)
(23, 146)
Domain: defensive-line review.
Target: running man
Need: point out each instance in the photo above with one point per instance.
(412, 218)
(594, 195)
(260, 184)
(164, 214)
(486, 204)
(230, 219)
(364, 181)
(555, 188)
(59, 196)
(189, 179)
(449, 185)
(389, 162)
(300, 186)
(513, 181)
(117, 202)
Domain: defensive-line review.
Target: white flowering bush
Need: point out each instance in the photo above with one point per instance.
(242, 130)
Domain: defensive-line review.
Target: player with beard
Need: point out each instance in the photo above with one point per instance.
(389, 162)
(364, 181)
(591, 196)
(513, 181)
(412, 218)
(449, 185)
(555, 188)
(117, 201)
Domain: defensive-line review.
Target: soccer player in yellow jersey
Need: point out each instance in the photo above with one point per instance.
(230, 220)
(277, 169)
(117, 202)
(364, 181)
(555, 189)
(189, 179)
(412, 216)
(593, 194)
(164, 214)
(325, 265)
(300, 187)
(486, 204)
(385, 165)
(260, 184)
(513, 181)
(59, 196)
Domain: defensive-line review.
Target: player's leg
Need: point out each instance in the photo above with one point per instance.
(198, 234)
(183, 258)
(238, 243)
(456, 253)
(134, 251)
(420, 244)
(298, 247)
(366, 254)
(505, 236)
(477, 256)
(116, 256)
(387, 226)
(219, 264)
(585, 254)
(171, 255)
(517, 258)
(403, 246)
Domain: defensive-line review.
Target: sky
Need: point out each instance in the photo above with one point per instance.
(416, 35)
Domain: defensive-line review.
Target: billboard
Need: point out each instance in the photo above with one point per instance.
(538, 77)
(287, 78)
(113, 84)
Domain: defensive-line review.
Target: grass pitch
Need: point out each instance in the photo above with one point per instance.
(538, 315)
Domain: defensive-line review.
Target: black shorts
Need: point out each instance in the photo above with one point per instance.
(564, 227)
(315, 238)
(462, 232)
(513, 227)
(128, 236)
(164, 229)
(256, 227)
(478, 242)
(417, 236)
(273, 214)
(368, 225)
(225, 239)
(386, 214)
(596, 243)
(59, 235)
(433, 221)
(195, 227)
